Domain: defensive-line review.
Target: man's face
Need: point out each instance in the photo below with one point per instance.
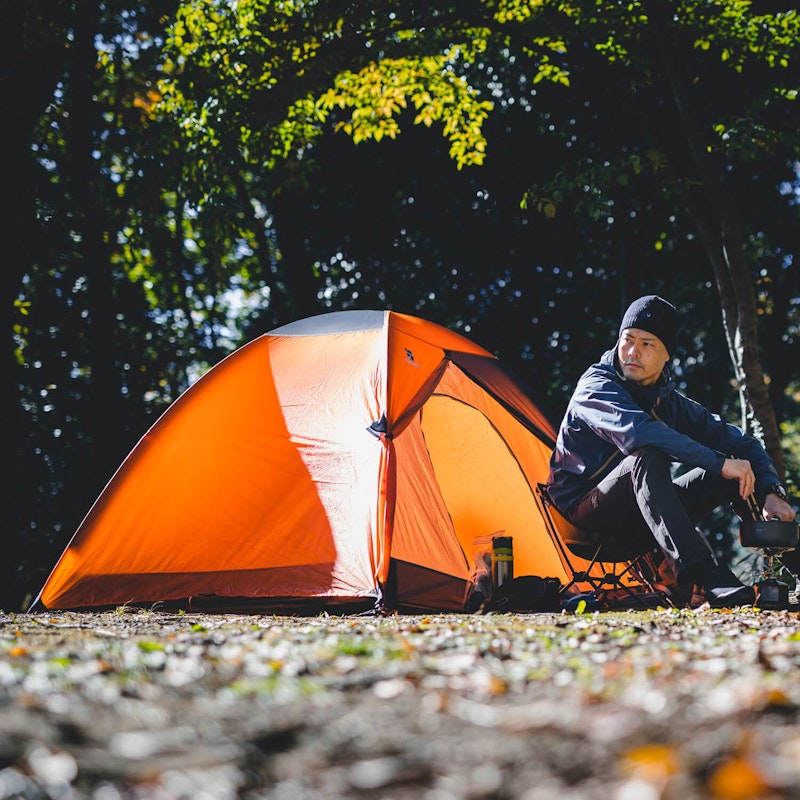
(641, 355)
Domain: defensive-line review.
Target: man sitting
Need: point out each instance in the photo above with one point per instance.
(624, 426)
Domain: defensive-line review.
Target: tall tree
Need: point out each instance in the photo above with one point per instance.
(76, 337)
(30, 66)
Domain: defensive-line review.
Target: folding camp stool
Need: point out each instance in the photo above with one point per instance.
(611, 561)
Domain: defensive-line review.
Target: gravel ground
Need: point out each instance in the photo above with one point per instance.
(633, 705)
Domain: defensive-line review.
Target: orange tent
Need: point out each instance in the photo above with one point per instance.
(355, 459)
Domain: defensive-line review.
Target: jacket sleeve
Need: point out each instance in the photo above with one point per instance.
(728, 440)
(611, 412)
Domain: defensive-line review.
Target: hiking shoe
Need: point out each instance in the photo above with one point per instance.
(731, 596)
(723, 589)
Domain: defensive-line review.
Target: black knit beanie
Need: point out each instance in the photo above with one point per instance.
(655, 315)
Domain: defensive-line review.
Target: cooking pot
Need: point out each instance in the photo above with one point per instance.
(772, 534)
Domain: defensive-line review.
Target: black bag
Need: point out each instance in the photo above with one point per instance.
(527, 593)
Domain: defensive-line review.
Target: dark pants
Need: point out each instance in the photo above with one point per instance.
(640, 500)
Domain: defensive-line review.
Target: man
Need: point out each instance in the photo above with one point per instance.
(625, 424)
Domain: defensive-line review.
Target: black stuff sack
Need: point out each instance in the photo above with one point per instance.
(527, 593)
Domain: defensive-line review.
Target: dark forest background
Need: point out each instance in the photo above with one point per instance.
(182, 177)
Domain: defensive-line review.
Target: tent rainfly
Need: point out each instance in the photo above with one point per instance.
(349, 461)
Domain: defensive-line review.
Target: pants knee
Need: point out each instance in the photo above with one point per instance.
(651, 467)
(649, 458)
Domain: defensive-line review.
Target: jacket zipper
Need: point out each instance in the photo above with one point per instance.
(653, 412)
(601, 469)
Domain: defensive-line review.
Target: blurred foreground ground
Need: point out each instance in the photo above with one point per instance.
(634, 705)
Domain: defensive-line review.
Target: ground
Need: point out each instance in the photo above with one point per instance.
(634, 705)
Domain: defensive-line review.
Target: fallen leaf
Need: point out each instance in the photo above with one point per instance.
(653, 763)
(736, 779)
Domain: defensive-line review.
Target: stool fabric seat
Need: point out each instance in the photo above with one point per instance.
(616, 563)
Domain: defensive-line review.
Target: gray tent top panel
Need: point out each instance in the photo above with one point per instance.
(333, 322)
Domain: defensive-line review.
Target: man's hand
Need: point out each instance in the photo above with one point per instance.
(775, 508)
(739, 469)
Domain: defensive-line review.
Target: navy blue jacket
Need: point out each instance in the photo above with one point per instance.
(609, 417)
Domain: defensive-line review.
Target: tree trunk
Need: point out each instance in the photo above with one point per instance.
(31, 65)
(718, 225)
(103, 401)
(739, 319)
